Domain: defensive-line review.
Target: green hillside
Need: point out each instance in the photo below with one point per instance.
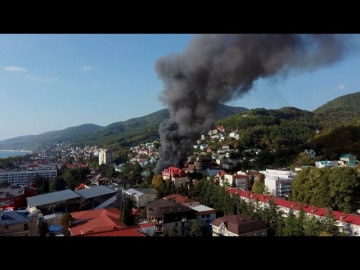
(116, 135)
(339, 111)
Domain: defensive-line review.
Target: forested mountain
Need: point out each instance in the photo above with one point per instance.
(286, 127)
(116, 135)
(272, 129)
(340, 111)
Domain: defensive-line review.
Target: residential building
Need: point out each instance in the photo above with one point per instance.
(184, 200)
(14, 223)
(348, 160)
(177, 176)
(203, 162)
(326, 164)
(204, 214)
(279, 182)
(348, 223)
(105, 156)
(25, 177)
(310, 152)
(140, 197)
(97, 221)
(168, 216)
(15, 197)
(239, 179)
(238, 225)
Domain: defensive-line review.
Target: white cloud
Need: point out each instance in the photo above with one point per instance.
(341, 86)
(86, 68)
(15, 69)
(41, 79)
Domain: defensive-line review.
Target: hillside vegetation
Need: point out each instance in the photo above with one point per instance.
(116, 135)
(332, 127)
(339, 111)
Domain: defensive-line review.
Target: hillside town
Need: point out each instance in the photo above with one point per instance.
(108, 202)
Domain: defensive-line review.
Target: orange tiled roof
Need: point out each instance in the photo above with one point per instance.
(133, 231)
(96, 221)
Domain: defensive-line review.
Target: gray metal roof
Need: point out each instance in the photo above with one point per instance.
(9, 218)
(95, 191)
(52, 197)
(137, 192)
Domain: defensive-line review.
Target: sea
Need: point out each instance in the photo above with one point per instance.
(13, 153)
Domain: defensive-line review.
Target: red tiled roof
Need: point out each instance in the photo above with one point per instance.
(133, 231)
(179, 198)
(348, 218)
(98, 220)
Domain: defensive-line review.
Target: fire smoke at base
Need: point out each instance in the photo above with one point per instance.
(222, 67)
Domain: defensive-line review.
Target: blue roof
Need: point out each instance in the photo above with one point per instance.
(9, 218)
(50, 198)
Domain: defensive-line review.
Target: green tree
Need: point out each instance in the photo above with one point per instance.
(126, 212)
(328, 224)
(196, 229)
(173, 231)
(65, 222)
(75, 176)
(344, 188)
(304, 159)
(312, 226)
(258, 187)
(57, 184)
(42, 184)
(43, 228)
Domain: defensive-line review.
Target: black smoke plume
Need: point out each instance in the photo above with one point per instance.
(222, 67)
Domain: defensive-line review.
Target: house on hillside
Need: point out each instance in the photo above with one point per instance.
(310, 152)
(348, 160)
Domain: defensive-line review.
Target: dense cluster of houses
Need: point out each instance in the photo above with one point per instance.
(95, 208)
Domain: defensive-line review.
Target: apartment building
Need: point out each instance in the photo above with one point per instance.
(167, 215)
(279, 182)
(25, 177)
(348, 223)
(105, 156)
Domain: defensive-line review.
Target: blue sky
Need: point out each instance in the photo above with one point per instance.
(55, 81)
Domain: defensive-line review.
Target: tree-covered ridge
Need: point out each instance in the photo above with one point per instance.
(337, 141)
(115, 135)
(264, 128)
(339, 110)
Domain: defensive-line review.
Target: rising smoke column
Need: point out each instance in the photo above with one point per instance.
(222, 67)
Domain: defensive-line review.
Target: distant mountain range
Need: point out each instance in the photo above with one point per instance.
(115, 135)
(344, 110)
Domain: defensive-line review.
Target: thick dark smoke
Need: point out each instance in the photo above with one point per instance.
(218, 68)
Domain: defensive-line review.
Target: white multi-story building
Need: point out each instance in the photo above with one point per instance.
(25, 177)
(105, 156)
(140, 197)
(279, 182)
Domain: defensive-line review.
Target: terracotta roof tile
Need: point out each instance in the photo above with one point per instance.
(99, 220)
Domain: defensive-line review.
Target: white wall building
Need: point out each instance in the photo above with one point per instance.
(279, 182)
(105, 156)
(25, 177)
(140, 197)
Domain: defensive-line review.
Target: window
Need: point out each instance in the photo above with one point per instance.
(26, 226)
(6, 227)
